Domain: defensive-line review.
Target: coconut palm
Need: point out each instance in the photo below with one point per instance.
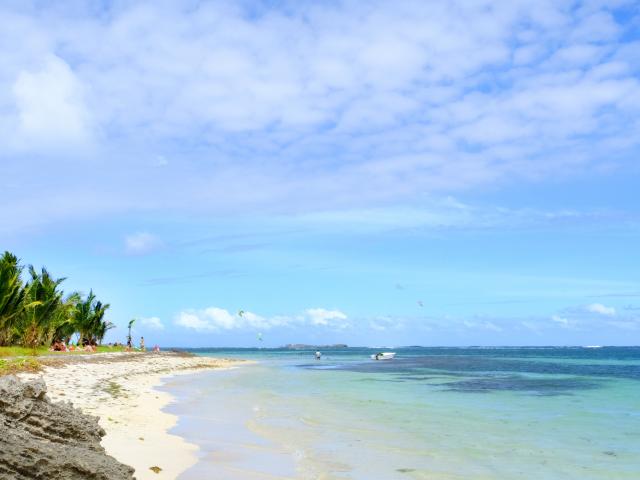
(42, 300)
(88, 319)
(102, 330)
(11, 296)
(62, 326)
(100, 326)
(38, 312)
(129, 340)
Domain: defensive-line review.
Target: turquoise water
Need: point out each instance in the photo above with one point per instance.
(431, 413)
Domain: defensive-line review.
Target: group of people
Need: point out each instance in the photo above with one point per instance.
(61, 346)
(142, 348)
(130, 346)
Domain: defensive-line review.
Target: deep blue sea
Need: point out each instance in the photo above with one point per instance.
(430, 413)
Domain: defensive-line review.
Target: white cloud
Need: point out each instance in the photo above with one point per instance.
(480, 330)
(216, 319)
(601, 309)
(564, 321)
(314, 103)
(324, 317)
(561, 320)
(193, 321)
(153, 323)
(142, 243)
(50, 108)
(219, 319)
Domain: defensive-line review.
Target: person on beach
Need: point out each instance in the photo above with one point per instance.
(58, 346)
(142, 344)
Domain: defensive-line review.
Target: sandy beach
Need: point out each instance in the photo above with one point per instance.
(120, 389)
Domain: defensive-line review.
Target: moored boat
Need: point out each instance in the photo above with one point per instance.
(383, 356)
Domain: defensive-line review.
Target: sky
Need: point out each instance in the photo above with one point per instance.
(370, 173)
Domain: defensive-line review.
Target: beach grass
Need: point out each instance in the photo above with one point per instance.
(17, 365)
(17, 351)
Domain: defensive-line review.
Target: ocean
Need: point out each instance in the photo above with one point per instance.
(430, 413)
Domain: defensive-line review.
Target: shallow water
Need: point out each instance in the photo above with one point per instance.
(436, 413)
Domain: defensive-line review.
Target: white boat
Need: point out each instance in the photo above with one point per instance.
(383, 356)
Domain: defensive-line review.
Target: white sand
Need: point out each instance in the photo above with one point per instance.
(119, 388)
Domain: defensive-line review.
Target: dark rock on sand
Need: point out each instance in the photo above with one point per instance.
(44, 440)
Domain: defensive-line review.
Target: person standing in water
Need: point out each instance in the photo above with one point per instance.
(318, 355)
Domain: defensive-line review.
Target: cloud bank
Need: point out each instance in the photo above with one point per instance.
(588, 319)
(292, 106)
(214, 319)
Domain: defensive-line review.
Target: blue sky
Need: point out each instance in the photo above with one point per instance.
(373, 173)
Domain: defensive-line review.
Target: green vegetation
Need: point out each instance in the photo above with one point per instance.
(36, 313)
(18, 351)
(16, 365)
(114, 389)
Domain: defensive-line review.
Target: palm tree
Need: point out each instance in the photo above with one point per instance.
(129, 341)
(102, 330)
(88, 319)
(11, 296)
(99, 325)
(42, 300)
(39, 313)
(62, 326)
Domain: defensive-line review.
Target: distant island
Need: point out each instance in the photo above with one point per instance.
(302, 346)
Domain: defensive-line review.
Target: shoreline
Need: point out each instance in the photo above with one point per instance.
(121, 389)
(230, 447)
